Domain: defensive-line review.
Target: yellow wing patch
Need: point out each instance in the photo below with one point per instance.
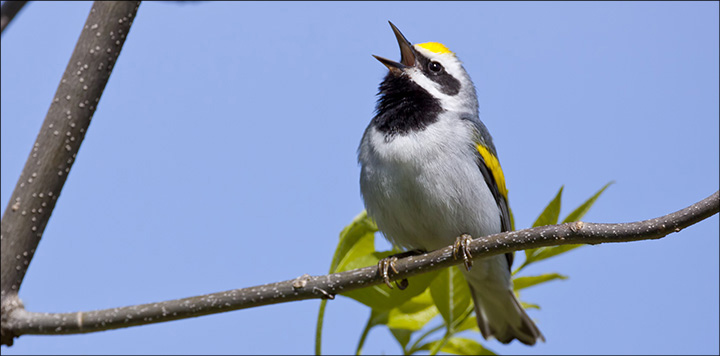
(434, 47)
(494, 165)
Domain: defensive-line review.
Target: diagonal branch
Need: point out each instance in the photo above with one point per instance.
(58, 142)
(8, 11)
(21, 322)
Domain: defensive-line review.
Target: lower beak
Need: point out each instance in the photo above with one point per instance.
(406, 51)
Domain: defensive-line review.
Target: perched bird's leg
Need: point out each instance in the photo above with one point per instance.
(462, 247)
(388, 263)
(384, 266)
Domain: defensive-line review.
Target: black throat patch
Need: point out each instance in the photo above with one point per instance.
(403, 107)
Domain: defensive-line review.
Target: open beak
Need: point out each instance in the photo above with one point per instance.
(407, 54)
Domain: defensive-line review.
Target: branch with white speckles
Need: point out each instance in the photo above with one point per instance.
(57, 144)
(313, 287)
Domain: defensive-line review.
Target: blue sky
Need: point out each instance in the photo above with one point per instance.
(223, 155)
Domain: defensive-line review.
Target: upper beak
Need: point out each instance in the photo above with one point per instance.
(407, 53)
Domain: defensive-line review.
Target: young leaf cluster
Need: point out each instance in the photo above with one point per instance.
(411, 315)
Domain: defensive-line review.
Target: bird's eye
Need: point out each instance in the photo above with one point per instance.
(435, 67)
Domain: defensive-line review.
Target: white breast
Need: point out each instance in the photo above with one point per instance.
(425, 189)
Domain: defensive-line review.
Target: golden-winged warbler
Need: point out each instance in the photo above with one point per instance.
(430, 177)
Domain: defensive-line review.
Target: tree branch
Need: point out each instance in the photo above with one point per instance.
(22, 322)
(8, 11)
(58, 142)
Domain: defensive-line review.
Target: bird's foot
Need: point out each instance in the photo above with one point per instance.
(462, 248)
(384, 267)
(388, 263)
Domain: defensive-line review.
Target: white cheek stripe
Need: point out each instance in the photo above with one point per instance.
(449, 103)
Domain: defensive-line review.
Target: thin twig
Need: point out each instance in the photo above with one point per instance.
(58, 142)
(22, 322)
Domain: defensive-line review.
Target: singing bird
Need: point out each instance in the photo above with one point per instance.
(430, 177)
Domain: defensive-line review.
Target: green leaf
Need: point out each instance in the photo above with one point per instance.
(402, 336)
(413, 314)
(529, 305)
(381, 297)
(356, 250)
(417, 303)
(451, 295)
(541, 253)
(578, 213)
(469, 323)
(361, 230)
(363, 254)
(318, 327)
(402, 320)
(356, 240)
(459, 346)
(406, 318)
(550, 215)
(422, 337)
(524, 282)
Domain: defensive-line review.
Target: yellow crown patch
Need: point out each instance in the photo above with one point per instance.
(434, 47)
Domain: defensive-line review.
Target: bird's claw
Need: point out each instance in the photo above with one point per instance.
(388, 263)
(384, 266)
(462, 248)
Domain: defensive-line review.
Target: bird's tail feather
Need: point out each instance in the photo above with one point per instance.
(500, 315)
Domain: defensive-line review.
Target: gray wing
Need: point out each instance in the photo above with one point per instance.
(483, 136)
